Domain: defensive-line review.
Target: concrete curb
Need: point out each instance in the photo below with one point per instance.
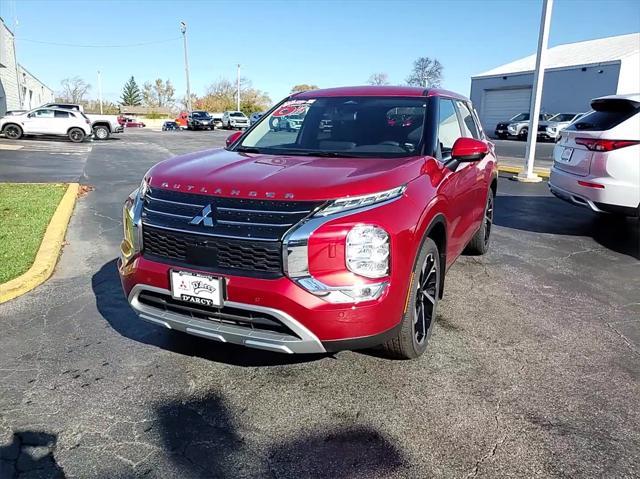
(49, 251)
(541, 172)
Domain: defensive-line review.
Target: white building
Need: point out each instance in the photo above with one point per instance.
(19, 89)
(575, 73)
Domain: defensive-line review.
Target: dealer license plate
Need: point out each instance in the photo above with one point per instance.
(196, 288)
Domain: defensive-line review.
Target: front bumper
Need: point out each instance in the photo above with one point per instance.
(316, 325)
(119, 129)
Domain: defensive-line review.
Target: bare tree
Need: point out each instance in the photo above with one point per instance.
(159, 93)
(378, 79)
(426, 73)
(73, 90)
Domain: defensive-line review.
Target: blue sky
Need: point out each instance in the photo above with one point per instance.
(280, 44)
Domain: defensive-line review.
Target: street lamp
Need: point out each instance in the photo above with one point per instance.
(238, 86)
(183, 30)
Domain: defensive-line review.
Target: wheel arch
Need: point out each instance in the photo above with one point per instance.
(101, 123)
(11, 123)
(437, 231)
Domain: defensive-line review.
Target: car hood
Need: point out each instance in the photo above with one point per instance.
(247, 175)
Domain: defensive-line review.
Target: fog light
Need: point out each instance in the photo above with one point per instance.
(367, 251)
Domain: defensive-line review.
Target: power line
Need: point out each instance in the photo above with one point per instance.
(78, 45)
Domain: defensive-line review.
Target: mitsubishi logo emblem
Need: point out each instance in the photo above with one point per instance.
(203, 217)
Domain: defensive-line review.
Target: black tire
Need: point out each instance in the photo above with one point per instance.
(12, 132)
(479, 244)
(502, 136)
(76, 135)
(101, 132)
(417, 322)
(523, 134)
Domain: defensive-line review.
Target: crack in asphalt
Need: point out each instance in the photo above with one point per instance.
(493, 450)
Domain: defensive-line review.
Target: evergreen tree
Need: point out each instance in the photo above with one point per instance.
(131, 94)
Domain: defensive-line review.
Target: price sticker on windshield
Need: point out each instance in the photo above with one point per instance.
(293, 107)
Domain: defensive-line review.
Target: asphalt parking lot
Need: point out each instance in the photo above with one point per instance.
(533, 369)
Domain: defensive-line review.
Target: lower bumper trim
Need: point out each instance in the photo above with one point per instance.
(303, 342)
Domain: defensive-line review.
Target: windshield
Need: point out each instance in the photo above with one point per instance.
(563, 117)
(201, 114)
(342, 127)
(237, 113)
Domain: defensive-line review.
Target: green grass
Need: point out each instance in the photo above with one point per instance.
(25, 212)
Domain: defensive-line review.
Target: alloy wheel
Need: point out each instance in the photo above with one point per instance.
(76, 135)
(12, 132)
(488, 218)
(426, 299)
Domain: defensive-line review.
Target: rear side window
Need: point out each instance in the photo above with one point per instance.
(448, 126)
(60, 114)
(470, 130)
(606, 115)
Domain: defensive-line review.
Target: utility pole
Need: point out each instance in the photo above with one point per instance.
(238, 86)
(100, 90)
(528, 175)
(183, 29)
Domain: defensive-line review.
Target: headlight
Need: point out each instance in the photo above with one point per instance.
(367, 251)
(131, 210)
(353, 202)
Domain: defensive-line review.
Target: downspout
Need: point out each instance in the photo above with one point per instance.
(15, 60)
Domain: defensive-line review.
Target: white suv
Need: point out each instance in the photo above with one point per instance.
(47, 121)
(234, 119)
(596, 161)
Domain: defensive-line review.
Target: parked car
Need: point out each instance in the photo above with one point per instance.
(255, 117)
(200, 120)
(47, 121)
(287, 123)
(559, 122)
(217, 119)
(133, 123)
(234, 119)
(170, 126)
(340, 239)
(520, 128)
(596, 162)
(102, 125)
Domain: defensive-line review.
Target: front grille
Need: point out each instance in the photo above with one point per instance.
(542, 127)
(240, 218)
(240, 236)
(226, 315)
(227, 256)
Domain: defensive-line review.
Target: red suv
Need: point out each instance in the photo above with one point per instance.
(335, 235)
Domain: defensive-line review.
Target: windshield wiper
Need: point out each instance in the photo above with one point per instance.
(324, 154)
(248, 149)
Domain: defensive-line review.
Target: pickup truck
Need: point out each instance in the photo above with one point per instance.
(103, 126)
(315, 240)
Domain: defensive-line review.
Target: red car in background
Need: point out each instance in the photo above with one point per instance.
(318, 239)
(130, 122)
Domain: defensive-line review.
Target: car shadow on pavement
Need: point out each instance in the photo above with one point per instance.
(203, 439)
(30, 454)
(113, 307)
(547, 214)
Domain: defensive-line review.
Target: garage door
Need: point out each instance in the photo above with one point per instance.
(500, 105)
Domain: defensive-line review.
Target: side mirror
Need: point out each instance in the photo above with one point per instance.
(466, 150)
(231, 139)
